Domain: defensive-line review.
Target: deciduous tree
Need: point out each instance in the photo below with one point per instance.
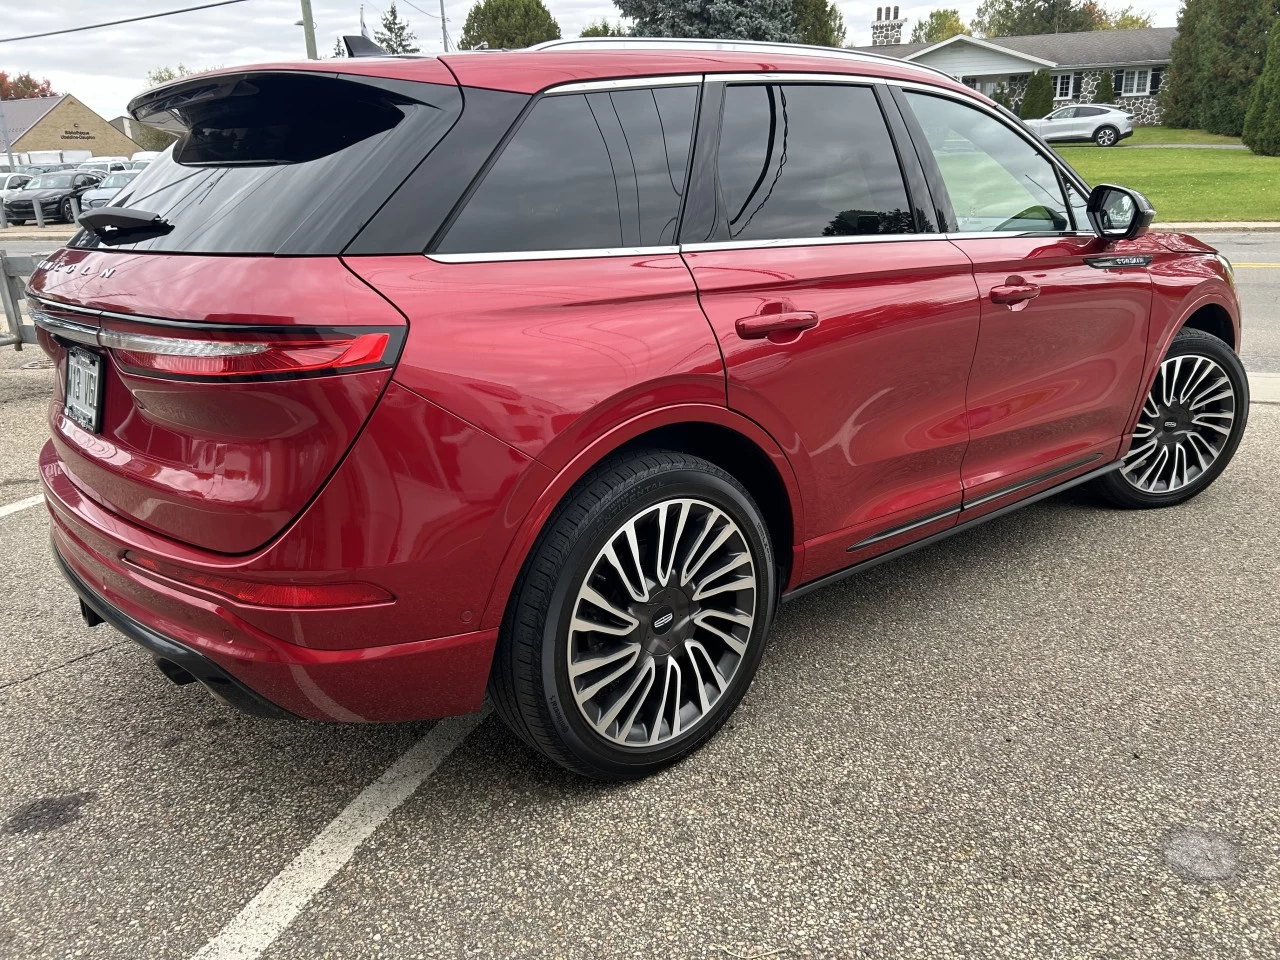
(939, 25)
(508, 25)
(717, 19)
(22, 86)
(604, 29)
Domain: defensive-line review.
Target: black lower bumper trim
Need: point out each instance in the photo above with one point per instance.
(199, 667)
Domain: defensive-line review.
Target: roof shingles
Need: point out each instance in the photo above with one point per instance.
(1097, 48)
(21, 115)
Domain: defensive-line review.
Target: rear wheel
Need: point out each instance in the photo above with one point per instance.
(1106, 136)
(640, 618)
(1189, 428)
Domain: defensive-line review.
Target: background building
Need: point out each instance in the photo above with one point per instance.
(61, 123)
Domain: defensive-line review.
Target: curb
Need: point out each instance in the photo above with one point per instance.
(1264, 388)
(1223, 226)
(17, 233)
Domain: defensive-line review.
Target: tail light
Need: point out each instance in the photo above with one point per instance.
(226, 352)
(256, 594)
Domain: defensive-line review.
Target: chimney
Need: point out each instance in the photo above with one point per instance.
(887, 27)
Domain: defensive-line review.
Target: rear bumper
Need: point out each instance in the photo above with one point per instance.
(169, 654)
(249, 667)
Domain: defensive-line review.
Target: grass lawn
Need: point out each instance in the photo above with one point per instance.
(1143, 135)
(1188, 184)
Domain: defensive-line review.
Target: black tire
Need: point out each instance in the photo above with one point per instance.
(1117, 489)
(529, 683)
(65, 211)
(1106, 136)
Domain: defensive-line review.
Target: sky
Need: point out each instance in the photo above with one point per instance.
(105, 68)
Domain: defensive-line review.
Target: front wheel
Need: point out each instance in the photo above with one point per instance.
(68, 214)
(1106, 136)
(1190, 426)
(639, 619)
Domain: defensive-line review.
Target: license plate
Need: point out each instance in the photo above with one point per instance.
(84, 388)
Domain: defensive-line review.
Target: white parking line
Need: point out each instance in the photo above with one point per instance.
(31, 501)
(268, 914)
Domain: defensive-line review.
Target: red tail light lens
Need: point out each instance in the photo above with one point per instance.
(247, 354)
(254, 594)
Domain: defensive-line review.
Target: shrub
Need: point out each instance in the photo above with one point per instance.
(1106, 92)
(1262, 123)
(1038, 100)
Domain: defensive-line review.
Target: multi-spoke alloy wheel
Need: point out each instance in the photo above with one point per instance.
(662, 622)
(640, 617)
(1184, 427)
(1189, 427)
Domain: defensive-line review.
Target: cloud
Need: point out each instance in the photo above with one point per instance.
(105, 68)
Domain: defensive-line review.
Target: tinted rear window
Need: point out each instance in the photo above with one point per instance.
(285, 163)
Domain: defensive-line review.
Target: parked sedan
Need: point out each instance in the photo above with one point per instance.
(54, 192)
(1105, 125)
(11, 183)
(101, 195)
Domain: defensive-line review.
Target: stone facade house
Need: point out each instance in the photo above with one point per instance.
(1137, 59)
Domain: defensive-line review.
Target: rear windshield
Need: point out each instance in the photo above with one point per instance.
(270, 157)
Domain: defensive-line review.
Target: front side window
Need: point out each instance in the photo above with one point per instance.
(800, 161)
(1136, 83)
(996, 180)
(585, 171)
(1062, 86)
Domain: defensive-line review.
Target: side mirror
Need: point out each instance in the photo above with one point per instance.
(1117, 213)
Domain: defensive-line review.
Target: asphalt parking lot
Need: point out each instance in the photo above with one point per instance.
(1051, 737)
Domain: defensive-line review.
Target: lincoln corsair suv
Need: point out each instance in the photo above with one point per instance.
(552, 373)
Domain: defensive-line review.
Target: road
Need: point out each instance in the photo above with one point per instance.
(1053, 737)
(1259, 290)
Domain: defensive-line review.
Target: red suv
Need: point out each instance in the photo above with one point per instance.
(553, 372)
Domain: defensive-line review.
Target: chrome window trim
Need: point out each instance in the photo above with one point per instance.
(574, 254)
(797, 76)
(627, 83)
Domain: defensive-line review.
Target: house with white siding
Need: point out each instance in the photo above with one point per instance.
(1137, 60)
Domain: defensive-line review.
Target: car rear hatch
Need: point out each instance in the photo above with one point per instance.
(215, 357)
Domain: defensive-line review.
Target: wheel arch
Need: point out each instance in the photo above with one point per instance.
(727, 439)
(1214, 319)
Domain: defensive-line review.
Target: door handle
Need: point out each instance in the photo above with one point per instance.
(1014, 291)
(776, 325)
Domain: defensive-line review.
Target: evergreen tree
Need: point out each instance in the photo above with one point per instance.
(395, 36)
(1038, 100)
(715, 19)
(604, 29)
(1231, 57)
(339, 48)
(1106, 92)
(818, 22)
(1262, 123)
(508, 25)
(1180, 92)
(939, 25)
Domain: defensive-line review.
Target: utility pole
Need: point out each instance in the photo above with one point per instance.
(8, 147)
(444, 30)
(309, 30)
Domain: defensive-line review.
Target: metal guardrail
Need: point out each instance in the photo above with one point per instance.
(14, 272)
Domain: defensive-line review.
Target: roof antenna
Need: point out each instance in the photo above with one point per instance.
(361, 46)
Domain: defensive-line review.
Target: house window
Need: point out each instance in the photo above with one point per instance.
(1136, 83)
(1062, 86)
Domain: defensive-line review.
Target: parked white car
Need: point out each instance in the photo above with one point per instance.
(101, 195)
(105, 164)
(12, 183)
(1105, 125)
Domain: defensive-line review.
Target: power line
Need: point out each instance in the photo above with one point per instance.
(116, 23)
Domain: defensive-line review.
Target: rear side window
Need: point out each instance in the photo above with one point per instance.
(584, 171)
(808, 160)
(998, 182)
